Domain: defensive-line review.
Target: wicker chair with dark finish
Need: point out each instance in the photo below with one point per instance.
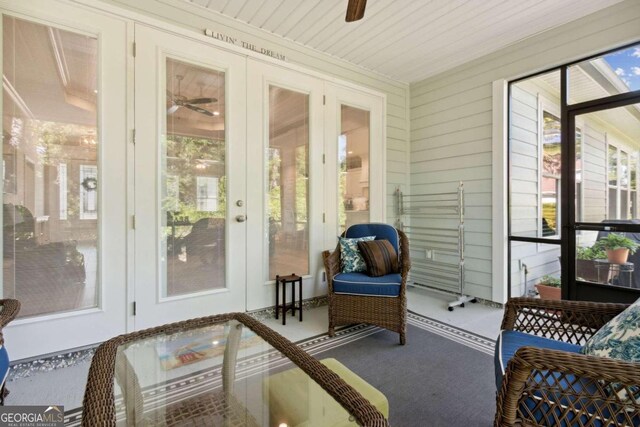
(10, 309)
(389, 312)
(547, 381)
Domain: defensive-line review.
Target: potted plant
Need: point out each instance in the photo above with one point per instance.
(585, 265)
(618, 247)
(549, 287)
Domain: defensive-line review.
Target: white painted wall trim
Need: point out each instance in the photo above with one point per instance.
(499, 192)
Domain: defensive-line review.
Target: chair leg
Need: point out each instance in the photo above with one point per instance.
(332, 332)
(403, 338)
(4, 392)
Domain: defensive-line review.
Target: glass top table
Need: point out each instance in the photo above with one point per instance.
(224, 370)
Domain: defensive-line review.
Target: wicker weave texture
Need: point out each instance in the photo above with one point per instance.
(98, 403)
(386, 312)
(10, 309)
(550, 387)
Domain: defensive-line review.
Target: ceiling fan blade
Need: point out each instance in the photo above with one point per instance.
(199, 110)
(201, 100)
(173, 109)
(355, 10)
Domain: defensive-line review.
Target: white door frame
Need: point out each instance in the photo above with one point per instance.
(337, 95)
(260, 75)
(153, 48)
(67, 13)
(59, 331)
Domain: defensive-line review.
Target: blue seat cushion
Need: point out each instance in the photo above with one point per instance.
(4, 364)
(380, 230)
(361, 284)
(506, 346)
(510, 341)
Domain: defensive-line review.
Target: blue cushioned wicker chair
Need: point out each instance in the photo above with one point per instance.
(358, 298)
(544, 380)
(10, 309)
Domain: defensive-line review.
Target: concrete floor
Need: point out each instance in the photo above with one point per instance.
(66, 385)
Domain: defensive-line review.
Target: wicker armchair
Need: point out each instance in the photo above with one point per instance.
(542, 386)
(10, 309)
(384, 311)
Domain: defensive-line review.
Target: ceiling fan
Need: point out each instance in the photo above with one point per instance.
(355, 10)
(179, 100)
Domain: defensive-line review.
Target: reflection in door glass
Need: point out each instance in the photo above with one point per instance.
(551, 165)
(610, 74)
(353, 157)
(194, 198)
(50, 168)
(288, 182)
(535, 155)
(611, 148)
(535, 269)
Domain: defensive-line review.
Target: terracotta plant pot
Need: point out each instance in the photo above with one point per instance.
(549, 292)
(617, 256)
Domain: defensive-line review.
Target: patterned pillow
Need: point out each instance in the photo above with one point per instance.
(350, 257)
(380, 256)
(618, 339)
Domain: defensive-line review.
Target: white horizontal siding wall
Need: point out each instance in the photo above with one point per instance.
(451, 119)
(594, 173)
(525, 163)
(195, 18)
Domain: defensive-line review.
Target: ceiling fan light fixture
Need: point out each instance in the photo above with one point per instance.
(355, 10)
(180, 100)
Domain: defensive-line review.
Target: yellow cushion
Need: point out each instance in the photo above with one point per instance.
(296, 400)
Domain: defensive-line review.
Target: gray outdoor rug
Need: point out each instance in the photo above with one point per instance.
(443, 376)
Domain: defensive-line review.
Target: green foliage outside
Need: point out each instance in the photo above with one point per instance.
(275, 194)
(548, 280)
(302, 185)
(55, 142)
(617, 241)
(590, 253)
(275, 185)
(188, 158)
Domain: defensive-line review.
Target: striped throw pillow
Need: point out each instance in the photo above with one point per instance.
(380, 256)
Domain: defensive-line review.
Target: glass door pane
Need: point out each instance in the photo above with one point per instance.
(535, 157)
(194, 198)
(353, 158)
(51, 175)
(610, 150)
(288, 182)
(190, 233)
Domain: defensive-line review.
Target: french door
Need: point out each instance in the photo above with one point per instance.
(574, 159)
(613, 205)
(354, 142)
(139, 191)
(190, 198)
(65, 176)
(285, 180)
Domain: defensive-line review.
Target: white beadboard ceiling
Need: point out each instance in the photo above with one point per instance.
(407, 40)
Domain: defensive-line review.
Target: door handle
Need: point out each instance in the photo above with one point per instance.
(241, 218)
